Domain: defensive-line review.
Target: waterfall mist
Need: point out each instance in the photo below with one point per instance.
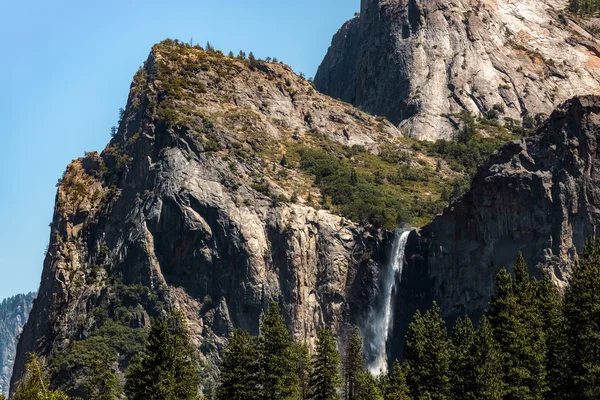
(380, 321)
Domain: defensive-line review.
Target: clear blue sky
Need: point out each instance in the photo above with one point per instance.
(65, 70)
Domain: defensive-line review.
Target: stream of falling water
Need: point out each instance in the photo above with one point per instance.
(382, 320)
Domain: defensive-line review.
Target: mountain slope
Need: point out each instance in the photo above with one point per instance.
(13, 315)
(419, 62)
(227, 185)
(539, 196)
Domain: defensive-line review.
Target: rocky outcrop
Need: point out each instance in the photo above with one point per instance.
(13, 315)
(418, 62)
(539, 196)
(184, 201)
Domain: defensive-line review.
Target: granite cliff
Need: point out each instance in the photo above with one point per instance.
(539, 196)
(419, 62)
(13, 315)
(207, 199)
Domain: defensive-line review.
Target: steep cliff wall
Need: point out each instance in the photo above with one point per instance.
(191, 206)
(539, 196)
(13, 315)
(418, 62)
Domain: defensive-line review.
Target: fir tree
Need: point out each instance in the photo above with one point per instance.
(301, 359)
(353, 365)
(485, 370)
(325, 380)
(518, 328)
(239, 369)
(396, 387)
(427, 356)
(461, 370)
(582, 323)
(366, 387)
(278, 372)
(550, 306)
(35, 385)
(166, 370)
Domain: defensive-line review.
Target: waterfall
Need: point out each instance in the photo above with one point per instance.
(381, 321)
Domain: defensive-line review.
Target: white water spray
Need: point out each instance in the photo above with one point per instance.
(380, 322)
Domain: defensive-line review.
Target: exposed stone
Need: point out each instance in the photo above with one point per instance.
(13, 315)
(417, 61)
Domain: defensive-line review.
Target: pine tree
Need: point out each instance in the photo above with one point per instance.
(167, 369)
(301, 359)
(461, 370)
(485, 369)
(427, 356)
(366, 387)
(582, 323)
(550, 306)
(518, 328)
(35, 384)
(239, 369)
(353, 365)
(186, 366)
(278, 372)
(396, 387)
(325, 380)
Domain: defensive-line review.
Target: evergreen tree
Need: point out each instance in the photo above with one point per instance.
(485, 369)
(166, 370)
(239, 369)
(366, 387)
(35, 385)
(396, 387)
(427, 356)
(186, 366)
(518, 328)
(550, 306)
(461, 370)
(303, 365)
(325, 380)
(582, 324)
(353, 365)
(278, 371)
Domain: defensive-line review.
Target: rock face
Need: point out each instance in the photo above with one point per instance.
(13, 315)
(177, 203)
(539, 196)
(418, 62)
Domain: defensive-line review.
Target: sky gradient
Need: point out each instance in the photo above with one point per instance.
(66, 69)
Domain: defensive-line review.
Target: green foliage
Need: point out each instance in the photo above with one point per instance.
(278, 371)
(301, 359)
(353, 365)
(462, 379)
(427, 356)
(518, 328)
(239, 370)
(325, 380)
(85, 368)
(485, 369)
(396, 387)
(365, 195)
(168, 368)
(582, 325)
(35, 385)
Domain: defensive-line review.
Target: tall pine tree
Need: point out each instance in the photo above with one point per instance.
(427, 356)
(353, 365)
(325, 379)
(36, 383)
(396, 387)
(239, 369)
(485, 369)
(518, 329)
(279, 377)
(461, 370)
(582, 322)
(167, 369)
